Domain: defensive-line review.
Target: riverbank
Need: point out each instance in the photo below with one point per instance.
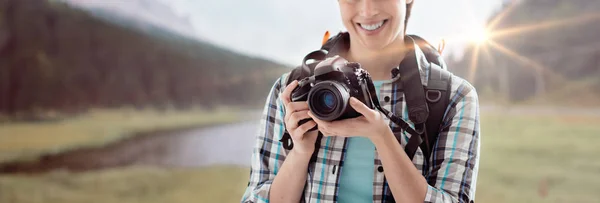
(200, 146)
(28, 141)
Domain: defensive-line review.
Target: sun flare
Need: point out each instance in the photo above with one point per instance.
(479, 36)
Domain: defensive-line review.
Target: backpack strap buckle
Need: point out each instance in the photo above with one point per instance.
(433, 96)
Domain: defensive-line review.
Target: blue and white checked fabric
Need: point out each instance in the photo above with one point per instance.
(453, 166)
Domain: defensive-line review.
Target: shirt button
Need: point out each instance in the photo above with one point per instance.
(380, 168)
(386, 99)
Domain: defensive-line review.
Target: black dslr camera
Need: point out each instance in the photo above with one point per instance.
(329, 89)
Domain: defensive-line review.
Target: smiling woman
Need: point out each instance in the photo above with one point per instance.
(367, 158)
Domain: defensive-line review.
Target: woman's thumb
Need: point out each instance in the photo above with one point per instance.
(361, 107)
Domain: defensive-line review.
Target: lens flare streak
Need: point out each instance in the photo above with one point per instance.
(482, 42)
(494, 22)
(544, 25)
(473, 67)
(528, 62)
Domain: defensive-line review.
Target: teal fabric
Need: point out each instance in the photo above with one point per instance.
(377, 84)
(356, 178)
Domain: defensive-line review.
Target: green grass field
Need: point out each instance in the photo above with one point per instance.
(524, 159)
(539, 159)
(132, 185)
(27, 141)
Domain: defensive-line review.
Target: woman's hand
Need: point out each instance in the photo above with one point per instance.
(371, 124)
(304, 142)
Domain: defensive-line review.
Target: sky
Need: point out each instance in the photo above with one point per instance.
(285, 31)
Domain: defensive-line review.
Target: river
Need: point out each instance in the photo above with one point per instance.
(228, 144)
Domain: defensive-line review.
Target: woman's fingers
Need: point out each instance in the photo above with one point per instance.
(287, 92)
(296, 106)
(302, 129)
(292, 107)
(327, 128)
(296, 117)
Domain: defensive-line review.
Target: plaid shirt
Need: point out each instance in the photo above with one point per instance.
(452, 174)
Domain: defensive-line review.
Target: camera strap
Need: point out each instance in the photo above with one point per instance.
(416, 135)
(418, 110)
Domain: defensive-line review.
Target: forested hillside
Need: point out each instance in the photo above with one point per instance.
(55, 57)
(555, 48)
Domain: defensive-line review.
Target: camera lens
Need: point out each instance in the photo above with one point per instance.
(328, 100)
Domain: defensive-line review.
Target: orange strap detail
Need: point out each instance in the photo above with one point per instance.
(442, 46)
(325, 38)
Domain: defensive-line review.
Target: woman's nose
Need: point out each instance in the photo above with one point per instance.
(368, 8)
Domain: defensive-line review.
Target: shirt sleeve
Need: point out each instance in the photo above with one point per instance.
(268, 153)
(455, 160)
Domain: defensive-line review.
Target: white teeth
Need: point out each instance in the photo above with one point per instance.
(372, 26)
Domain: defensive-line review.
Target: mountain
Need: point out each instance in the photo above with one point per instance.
(60, 57)
(555, 52)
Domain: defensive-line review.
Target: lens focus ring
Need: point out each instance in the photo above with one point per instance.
(328, 100)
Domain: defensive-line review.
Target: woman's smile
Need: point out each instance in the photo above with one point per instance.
(371, 28)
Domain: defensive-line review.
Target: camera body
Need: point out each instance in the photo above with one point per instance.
(329, 89)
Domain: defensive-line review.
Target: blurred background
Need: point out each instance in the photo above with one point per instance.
(159, 100)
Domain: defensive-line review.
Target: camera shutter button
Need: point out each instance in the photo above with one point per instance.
(386, 99)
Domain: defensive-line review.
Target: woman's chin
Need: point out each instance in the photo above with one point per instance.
(377, 43)
(373, 44)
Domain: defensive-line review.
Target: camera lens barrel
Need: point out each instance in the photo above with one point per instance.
(328, 100)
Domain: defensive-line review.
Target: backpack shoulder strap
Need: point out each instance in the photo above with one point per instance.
(437, 94)
(426, 105)
(414, 95)
(432, 54)
(437, 97)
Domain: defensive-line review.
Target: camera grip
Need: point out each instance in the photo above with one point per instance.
(300, 93)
